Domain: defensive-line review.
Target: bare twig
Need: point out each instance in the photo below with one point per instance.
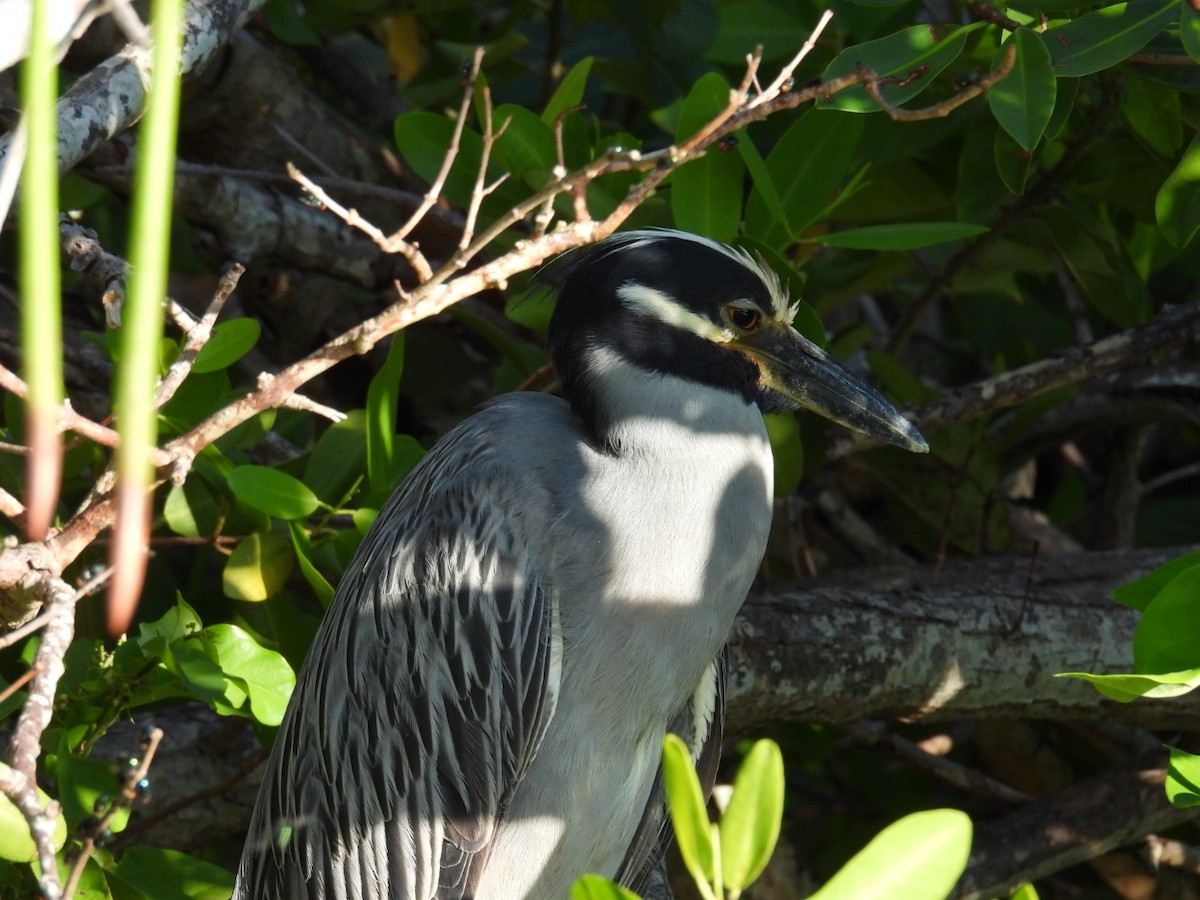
(131, 790)
(197, 336)
(482, 188)
(389, 244)
(435, 189)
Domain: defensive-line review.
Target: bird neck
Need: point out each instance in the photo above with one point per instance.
(627, 409)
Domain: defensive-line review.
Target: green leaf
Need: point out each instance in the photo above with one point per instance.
(595, 887)
(258, 568)
(338, 459)
(788, 450)
(805, 170)
(1177, 206)
(191, 510)
(706, 193)
(382, 396)
(274, 492)
(300, 544)
(264, 675)
(526, 145)
(1023, 102)
(918, 858)
(1101, 39)
(1126, 688)
(1024, 892)
(1138, 594)
(1183, 778)
(569, 92)
(16, 843)
(230, 341)
(1189, 31)
(1167, 637)
(171, 875)
(750, 824)
(906, 236)
(688, 814)
(906, 62)
(81, 782)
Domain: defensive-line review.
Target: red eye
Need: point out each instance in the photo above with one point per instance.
(743, 318)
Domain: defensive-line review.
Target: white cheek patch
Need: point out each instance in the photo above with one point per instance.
(640, 298)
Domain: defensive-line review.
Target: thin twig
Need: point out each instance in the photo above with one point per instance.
(482, 189)
(197, 336)
(943, 109)
(386, 243)
(435, 189)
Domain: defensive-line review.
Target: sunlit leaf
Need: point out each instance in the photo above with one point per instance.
(918, 858)
(274, 492)
(1101, 39)
(171, 875)
(1183, 778)
(706, 193)
(1126, 688)
(594, 887)
(751, 822)
(16, 843)
(262, 673)
(258, 568)
(230, 341)
(1167, 637)
(906, 62)
(688, 814)
(1177, 206)
(569, 92)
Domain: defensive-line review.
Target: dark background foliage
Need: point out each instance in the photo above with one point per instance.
(973, 263)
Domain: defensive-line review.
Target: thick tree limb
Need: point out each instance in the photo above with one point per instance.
(884, 643)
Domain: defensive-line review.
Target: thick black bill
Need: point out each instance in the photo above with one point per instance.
(799, 369)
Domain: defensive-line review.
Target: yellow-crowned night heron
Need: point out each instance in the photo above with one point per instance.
(482, 712)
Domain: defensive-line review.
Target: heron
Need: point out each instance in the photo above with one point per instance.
(547, 594)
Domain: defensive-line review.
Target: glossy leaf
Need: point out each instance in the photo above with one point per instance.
(1126, 688)
(706, 194)
(274, 492)
(918, 858)
(382, 396)
(191, 510)
(230, 341)
(1023, 102)
(16, 844)
(1167, 638)
(1177, 206)
(907, 236)
(319, 584)
(263, 674)
(1138, 594)
(1183, 778)
(569, 92)
(258, 568)
(805, 170)
(906, 62)
(338, 459)
(1101, 39)
(171, 875)
(526, 145)
(596, 887)
(688, 813)
(751, 821)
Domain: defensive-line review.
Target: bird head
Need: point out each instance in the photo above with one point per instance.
(674, 303)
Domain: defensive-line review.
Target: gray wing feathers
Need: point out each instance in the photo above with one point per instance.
(424, 698)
